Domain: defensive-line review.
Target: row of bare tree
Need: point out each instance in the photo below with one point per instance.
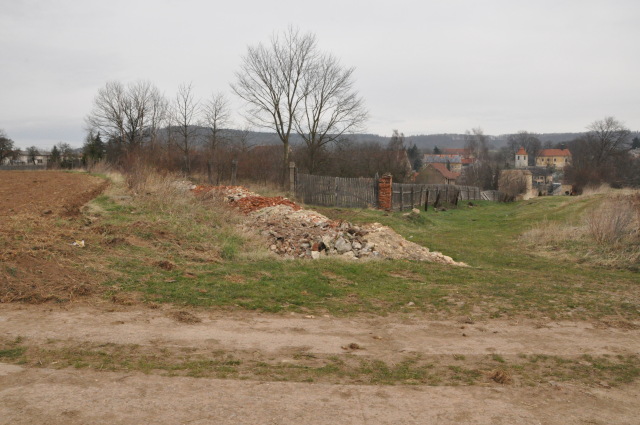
(293, 88)
(137, 116)
(289, 86)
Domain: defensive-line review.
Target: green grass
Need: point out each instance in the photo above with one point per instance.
(411, 369)
(214, 265)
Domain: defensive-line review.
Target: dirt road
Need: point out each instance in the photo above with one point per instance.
(70, 396)
(38, 396)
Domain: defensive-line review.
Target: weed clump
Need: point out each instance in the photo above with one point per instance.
(501, 377)
(606, 234)
(614, 220)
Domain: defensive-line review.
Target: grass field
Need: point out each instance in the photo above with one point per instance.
(185, 251)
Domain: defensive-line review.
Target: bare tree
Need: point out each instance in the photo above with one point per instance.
(216, 115)
(514, 182)
(607, 138)
(482, 172)
(129, 114)
(598, 156)
(332, 107)
(272, 82)
(6, 146)
(184, 117)
(32, 153)
(67, 155)
(477, 144)
(107, 115)
(528, 141)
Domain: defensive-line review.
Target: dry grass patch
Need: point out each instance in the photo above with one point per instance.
(607, 234)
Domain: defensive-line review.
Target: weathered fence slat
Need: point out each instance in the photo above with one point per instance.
(363, 193)
(336, 191)
(404, 195)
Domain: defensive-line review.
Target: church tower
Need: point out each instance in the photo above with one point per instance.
(522, 159)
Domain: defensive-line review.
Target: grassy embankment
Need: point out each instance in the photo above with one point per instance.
(184, 251)
(158, 245)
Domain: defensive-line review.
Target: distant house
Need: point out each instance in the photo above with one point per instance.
(437, 173)
(542, 176)
(549, 162)
(555, 158)
(23, 158)
(550, 158)
(453, 162)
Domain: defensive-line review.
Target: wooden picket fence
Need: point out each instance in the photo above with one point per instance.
(408, 196)
(363, 193)
(337, 191)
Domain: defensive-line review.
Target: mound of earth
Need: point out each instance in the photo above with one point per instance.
(294, 232)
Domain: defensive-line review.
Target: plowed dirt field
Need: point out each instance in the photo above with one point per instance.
(37, 229)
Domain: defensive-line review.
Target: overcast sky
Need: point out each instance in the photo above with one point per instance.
(422, 67)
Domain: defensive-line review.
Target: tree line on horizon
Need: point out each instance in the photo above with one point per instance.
(299, 92)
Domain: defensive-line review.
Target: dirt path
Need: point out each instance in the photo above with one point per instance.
(379, 337)
(37, 396)
(70, 396)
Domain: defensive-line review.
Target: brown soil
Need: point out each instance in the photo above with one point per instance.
(40, 219)
(53, 193)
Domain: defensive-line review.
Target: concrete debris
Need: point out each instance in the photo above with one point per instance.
(294, 232)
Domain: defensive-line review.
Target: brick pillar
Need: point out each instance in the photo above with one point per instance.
(385, 192)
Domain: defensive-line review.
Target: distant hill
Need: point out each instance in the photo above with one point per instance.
(423, 142)
(430, 141)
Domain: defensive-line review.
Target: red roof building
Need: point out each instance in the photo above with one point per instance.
(557, 158)
(554, 152)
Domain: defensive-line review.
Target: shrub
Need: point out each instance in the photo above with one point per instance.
(612, 221)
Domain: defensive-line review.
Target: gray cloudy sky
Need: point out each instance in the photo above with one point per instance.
(423, 67)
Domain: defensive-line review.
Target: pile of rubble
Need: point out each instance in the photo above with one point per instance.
(294, 232)
(243, 199)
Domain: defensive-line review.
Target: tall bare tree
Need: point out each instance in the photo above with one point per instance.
(128, 114)
(184, 118)
(216, 115)
(598, 156)
(332, 107)
(477, 143)
(606, 138)
(271, 81)
(483, 171)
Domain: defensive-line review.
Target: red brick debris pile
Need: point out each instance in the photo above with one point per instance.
(243, 199)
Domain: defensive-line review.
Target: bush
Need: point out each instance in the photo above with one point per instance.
(615, 219)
